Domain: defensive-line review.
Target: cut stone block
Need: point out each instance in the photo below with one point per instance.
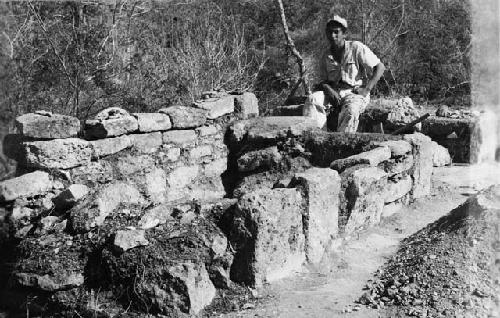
(27, 185)
(267, 235)
(179, 180)
(365, 195)
(217, 107)
(398, 147)
(398, 165)
(131, 164)
(397, 189)
(45, 125)
(149, 122)
(109, 146)
(185, 117)
(259, 159)
(99, 129)
(207, 131)
(321, 188)
(441, 156)
(199, 152)
(57, 153)
(147, 143)
(372, 157)
(179, 137)
(127, 239)
(216, 167)
(246, 105)
(50, 283)
(156, 185)
(422, 167)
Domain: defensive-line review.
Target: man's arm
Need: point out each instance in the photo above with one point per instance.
(378, 71)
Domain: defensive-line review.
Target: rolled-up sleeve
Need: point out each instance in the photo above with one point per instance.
(366, 57)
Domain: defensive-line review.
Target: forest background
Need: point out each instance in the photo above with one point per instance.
(77, 58)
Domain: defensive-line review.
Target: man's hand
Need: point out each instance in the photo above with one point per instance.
(363, 91)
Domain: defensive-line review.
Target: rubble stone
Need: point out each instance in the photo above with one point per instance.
(207, 131)
(69, 197)
(127, 239)
(441, 156)
(49, 283)
(27, 185)
(156, 185)
(185, 117)
(199, 152)
(398, 147)
(156, 216)
(321, 188)
(422, 168)
(246, 105)
(57, 153)
(397, 189)
(258, 159)
(179, 137)
(108, 146)
(267, 235)
(217, 107)
(372, 157)
(146, 143)
(47, 126)
(149, 122)
(99, 129)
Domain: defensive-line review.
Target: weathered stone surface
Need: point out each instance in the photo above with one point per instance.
(398, 147)
(147, 143)
(365, 198)
(179, 137)
(267, 235)
(27, 185)
(185, 117)
(441, 156)
(199, 152)
(246, 105)
(127, 239)
(488, 137)
(372, 157)
(265, 129)
(156, 185)
(112, 113)
(69, 197)
(49, 283)
(397, 189)
(98, 129)
(391, 209)
(93, 211)
(259, 159)
(178, 181)
(321, 188)
(216, 167)
(173, 154)
(156, 216)
(207, 131)
(398, 165)
(108, 146)
(47, 126)
(288, 110)
(57, 153)
(422, 167)
(149, 122)
(131, 164)
(93, 173)
(217, 107)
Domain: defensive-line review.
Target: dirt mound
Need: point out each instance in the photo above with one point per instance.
(450, 268)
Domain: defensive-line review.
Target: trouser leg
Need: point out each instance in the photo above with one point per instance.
(352, 106)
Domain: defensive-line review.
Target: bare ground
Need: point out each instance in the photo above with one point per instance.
(331, 289)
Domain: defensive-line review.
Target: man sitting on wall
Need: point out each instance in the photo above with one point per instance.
(350, 70)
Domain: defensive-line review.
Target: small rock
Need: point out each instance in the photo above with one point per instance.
(127, 239)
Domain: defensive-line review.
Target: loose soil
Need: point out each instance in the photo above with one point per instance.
(355, 265)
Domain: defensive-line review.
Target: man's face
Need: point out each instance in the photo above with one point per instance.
(335, 35)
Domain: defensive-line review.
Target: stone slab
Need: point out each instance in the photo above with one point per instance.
(146, 143)
(57, 153)
(127, 239)
(99, 129)
(108, 146)
(396, 189)
(27, 185)
(422, 167)
(246, 105)
(149, 122)
(217, 107)
(45, 125)
(259, 159)
(185, 117)
(179, 137)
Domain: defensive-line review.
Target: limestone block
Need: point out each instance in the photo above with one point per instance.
(422, 167)
(391, 209)
(217, 107)
(45, 125)
(155, 216)
(207, 131)
(398, 165)
(185, 117)
(259, 159)
(216, 167)
(246, 105)
(69, 197)
(173, 154)
(57, 153)
(127, 239)
(365, 194)
(131, 164)
(397, 189)
(108, 146)
(179, 137)
(398, 147)
(267, 235)
(321, 188)
(50, 283)
(199, 152)
(98, 129)
(182, 176)
(149, 122)
(156, 185)
(441, 156)
(96, 172)
(27, 185)
(146, 143)
(372, 157)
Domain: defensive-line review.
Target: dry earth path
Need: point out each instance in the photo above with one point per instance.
(329, 290)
